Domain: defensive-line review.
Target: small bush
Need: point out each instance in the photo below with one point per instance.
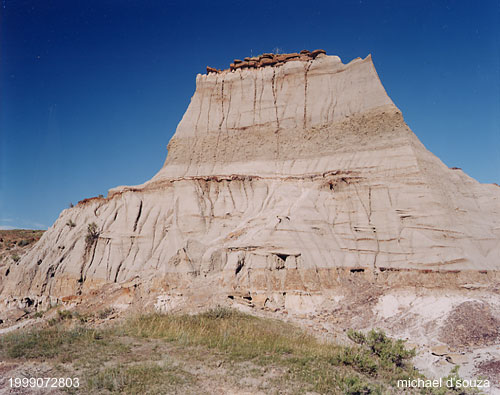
(70, 223)
(23, 243)
(64, 315)
(92, 234)
(385, 348)
(353, 385)
(103, 314)
(359, 359)
(15, 258)
(219, 313)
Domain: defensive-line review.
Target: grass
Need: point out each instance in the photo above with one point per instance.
(59, 344)
(311, 364)
(135, 356)
(142, 378)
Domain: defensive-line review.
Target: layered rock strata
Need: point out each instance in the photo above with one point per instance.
(279, 181)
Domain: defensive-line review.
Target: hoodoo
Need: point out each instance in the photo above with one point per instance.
(288, 177)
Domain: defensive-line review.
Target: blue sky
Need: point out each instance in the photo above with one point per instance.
(91, 91)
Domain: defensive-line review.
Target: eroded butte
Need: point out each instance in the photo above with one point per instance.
(292, 185)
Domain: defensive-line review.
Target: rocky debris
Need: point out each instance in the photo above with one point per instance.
(270, 59)
(317, 52)
(440, 350)
(471, 324)
(456, 359)
(490, 369)
(212, 70)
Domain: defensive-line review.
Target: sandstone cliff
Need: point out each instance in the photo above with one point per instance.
(281, 179)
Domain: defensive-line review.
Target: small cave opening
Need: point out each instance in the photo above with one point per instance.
(7, 272)
(249, 298)
(358, 270)
(282, 256)
(29, 302)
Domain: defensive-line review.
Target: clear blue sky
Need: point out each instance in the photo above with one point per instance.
(91, 91)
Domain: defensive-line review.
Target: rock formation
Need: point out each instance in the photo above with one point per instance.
(289, 176)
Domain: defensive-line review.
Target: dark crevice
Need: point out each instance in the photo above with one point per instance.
(357, 270)
(222, 105)
(239, 266)
(305, 93)
(273, 88)
(117, 272)
(282, 256)
(29, 302)
(138, 216)
(81, 279)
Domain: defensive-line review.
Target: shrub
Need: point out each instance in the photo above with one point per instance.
(70, 223)
(64, 314)
(15, 258)
(23, 243)
(360, 359)
(385, 348)
(103, 314)
(92, 234)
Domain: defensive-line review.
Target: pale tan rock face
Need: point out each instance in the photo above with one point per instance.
(279, 181)
(256, 121)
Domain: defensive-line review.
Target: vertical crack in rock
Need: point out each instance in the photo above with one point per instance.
(82, 278)
(219, 131)
(273, 88)
(196, 138)
(117, 272)
(306, 70)
(277, 131)
(132, 239)
(222, 105)
(226, 118)
(254, 97)
(138, 216)
(107, 261)
(373, 226)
